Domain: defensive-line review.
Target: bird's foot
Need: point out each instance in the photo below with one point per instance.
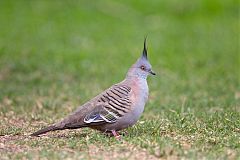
(116, 135)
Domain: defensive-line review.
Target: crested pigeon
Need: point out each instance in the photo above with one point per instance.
(116, 108)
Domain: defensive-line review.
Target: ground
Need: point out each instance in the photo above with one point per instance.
(56, 55)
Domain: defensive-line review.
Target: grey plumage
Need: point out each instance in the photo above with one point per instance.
(116, 108)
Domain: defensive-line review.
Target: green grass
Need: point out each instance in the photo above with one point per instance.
(56, 55)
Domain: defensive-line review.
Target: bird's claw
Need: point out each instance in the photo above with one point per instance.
(116, 135)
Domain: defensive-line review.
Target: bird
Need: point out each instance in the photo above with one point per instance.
(116, 108)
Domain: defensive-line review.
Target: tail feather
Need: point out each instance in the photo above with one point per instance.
(45, 130)
(71, 122)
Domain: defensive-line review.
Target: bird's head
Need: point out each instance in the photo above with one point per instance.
(142, 68)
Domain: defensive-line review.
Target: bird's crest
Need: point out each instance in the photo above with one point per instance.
(144, 54)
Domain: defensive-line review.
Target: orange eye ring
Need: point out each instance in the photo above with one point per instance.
(142, 68)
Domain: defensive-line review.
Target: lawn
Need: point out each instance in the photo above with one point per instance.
(56, 55)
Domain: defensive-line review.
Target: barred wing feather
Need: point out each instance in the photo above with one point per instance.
(112, 105)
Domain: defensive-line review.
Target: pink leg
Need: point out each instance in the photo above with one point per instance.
(116, 134)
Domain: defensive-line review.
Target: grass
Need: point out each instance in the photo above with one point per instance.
(56, 55)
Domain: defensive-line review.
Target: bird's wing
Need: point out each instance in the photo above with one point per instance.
(107, 107)
(111, 105)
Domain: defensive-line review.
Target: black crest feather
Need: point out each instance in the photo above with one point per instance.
(144, 54)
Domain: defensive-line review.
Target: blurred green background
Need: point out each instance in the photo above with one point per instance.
(62, 53)
(82, 47)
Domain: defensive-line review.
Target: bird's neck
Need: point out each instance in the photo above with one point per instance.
(137, 77)
(140, 86)
(133, 74)
(139, 80)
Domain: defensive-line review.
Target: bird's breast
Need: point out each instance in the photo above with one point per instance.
(141, 91)
(140, 97)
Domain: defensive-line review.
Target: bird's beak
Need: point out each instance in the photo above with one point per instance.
(152, 73)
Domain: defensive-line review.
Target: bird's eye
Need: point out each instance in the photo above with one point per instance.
(142, 68)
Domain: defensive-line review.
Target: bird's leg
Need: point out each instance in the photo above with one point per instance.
(116, 134)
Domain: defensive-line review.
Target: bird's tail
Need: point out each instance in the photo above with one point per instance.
(45, 130)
